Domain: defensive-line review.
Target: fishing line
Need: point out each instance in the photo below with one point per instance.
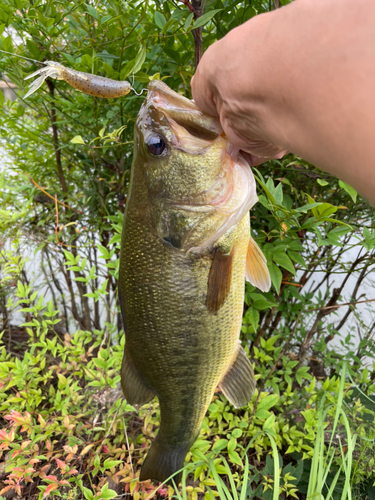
(133, 89)
(136, 93)
(23, 57)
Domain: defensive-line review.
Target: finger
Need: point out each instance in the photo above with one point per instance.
(254, 146)
(202, 96)
(254, 160)
(267, 151)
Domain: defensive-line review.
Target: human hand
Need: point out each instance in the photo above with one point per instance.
(222, 86)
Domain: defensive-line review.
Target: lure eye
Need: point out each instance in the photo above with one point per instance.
(156, 144)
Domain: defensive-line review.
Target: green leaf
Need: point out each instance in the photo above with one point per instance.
(220, 445)
(142, 77)
(188, 21)
(33, 49)
(265, 188)
(7, 44)
(108, 69)
(105, 19)
(202, 20)
(307, 207)
(232, 444)
(106, 494)
(88, 493)
(323, 209)
(260, 302)
(106, 56)
(262, 414)
(252, 316)
(139, 60)
(269, 423)
(278, 194)
(159, 19)
(276, 275)
(235, 458)
(108, 463)
(297, 257)
(322, 182)
(351, 192)
(100, 363)
(92, 11)
(236, 433)
(103, 250)
(168, 25)
(77, 140)
(283, 260)
(268, 402)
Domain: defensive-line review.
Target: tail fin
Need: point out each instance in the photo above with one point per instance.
(163, 460)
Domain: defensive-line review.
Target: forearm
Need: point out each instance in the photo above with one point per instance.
(303, 78)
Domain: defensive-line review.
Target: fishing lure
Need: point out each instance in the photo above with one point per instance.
(87, 83)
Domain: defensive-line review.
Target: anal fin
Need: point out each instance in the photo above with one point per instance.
(238, 384)
(219, 280)
(134, 389)
(256, 267)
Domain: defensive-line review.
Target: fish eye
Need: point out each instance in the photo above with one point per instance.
(156, 144)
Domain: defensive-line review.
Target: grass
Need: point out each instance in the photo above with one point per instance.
(321, 465)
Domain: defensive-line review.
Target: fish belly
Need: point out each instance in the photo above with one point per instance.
(178, 348)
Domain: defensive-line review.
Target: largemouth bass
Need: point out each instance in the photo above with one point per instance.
(185, 251)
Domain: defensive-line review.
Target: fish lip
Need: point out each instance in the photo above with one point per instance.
(158, 90)
(183, 111)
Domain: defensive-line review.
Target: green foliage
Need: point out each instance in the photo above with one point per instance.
(66, 422)
(63, 186)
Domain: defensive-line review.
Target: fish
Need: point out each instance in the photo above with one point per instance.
(186, 250)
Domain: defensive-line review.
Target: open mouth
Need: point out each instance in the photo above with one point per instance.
(183, 112)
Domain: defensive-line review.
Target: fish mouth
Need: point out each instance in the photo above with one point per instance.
(183, 112)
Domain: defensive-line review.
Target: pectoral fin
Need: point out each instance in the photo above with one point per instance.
(134, 389)
(219, 280)
(256, 267)
(238, 384)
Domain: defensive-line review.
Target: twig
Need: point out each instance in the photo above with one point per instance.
(291, 284)
(57, 221)
(127, 444)
(188, 5)
(50, 196)
(339, 305)
(109, 430)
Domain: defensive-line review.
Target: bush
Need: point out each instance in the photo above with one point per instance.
(64, 184)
